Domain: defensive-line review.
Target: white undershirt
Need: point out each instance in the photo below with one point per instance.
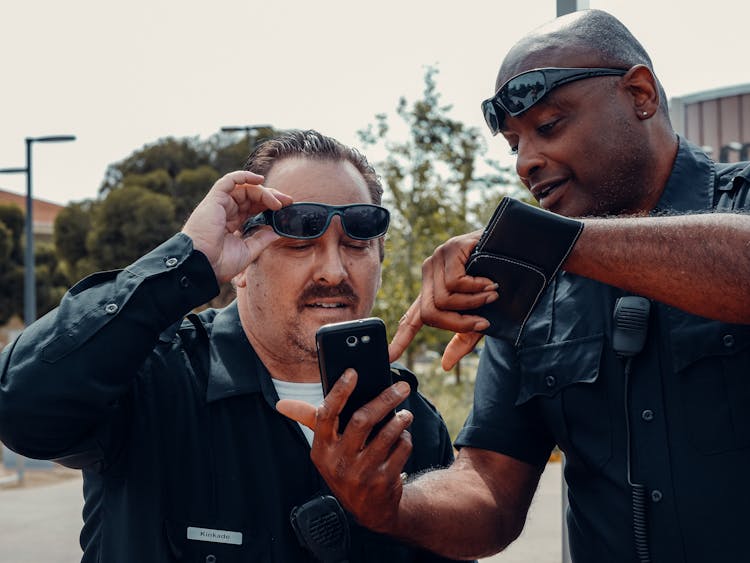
(311, 393)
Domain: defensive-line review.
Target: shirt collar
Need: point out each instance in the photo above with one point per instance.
(234, 367)
(691, 183)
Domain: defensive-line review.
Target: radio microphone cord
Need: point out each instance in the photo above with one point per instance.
(628, 339)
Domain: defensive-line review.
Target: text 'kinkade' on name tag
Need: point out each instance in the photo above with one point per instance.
(216, 536)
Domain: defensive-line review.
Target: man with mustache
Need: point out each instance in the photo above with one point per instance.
(173, 421)
(635, 360)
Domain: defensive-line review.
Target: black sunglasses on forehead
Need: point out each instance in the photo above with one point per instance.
(360, 221)
(522, 91)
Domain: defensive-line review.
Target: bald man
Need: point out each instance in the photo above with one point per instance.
(647, 396)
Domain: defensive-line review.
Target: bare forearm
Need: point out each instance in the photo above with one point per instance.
(698, 263)
(429, 516)
(455, 513)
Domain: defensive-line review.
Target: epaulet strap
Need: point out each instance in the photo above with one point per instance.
(199, 326)
(197, 348)
(727, 190)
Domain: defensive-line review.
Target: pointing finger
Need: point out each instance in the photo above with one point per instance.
(408, 327)
(460, 345)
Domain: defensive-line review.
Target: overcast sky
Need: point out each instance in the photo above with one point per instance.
(119, 75)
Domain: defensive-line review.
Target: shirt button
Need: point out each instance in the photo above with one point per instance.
(111, 308)
(647, 415)
(656, 495)
(550, 380)
(171, 262)
(184, 281)
(728, 340)
(210, 559)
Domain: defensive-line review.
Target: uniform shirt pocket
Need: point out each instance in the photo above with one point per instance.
(562, 378)
(713, 370)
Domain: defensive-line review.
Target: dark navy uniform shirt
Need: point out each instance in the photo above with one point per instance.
(173, 423)
(689, 406)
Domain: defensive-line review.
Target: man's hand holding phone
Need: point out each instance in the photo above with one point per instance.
(364, 475)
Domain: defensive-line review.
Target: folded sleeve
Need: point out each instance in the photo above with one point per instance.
(64, 379)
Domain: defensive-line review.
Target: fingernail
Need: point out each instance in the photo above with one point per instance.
(402, 388)
(492, 297)
(405, 416)
(491, 287)
(481, 325)
(346, 377)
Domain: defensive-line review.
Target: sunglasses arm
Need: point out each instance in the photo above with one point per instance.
(260, 220)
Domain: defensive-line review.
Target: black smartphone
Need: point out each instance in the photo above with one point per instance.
(362, 345)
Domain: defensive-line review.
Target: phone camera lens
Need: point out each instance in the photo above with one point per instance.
(351, 341)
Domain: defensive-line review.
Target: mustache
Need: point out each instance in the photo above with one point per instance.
(342, 290)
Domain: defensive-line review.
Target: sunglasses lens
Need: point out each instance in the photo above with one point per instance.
(490, 116)
(301, 220)
(310, 220)
(522, 92)
(365, 221)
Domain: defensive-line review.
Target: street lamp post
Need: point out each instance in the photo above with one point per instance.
(565, 7)
(29, 280)
(29, 286)
(247, 129)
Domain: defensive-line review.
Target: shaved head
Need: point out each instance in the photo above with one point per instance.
(599, 144)
(587, 38)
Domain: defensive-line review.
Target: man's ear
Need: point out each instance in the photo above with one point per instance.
(643, 88)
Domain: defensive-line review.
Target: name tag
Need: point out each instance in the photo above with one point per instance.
(216, 536)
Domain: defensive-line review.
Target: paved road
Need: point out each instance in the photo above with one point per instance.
(41, 524)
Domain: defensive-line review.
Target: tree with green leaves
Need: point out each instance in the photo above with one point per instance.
(11, 262)
(190, 187)
(71, 229)
(144, 199)
(50, 282)
(130, 222)
(435, 190)
(167, 158)
(12, 217)
(11, 275)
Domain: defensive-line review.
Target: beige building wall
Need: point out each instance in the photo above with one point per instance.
(44, 213)
(718, 120)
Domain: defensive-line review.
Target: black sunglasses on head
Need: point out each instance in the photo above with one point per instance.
(360, 221)
(524, 90)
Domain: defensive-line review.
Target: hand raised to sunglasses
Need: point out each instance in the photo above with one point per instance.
(446, 291)
(215, 223)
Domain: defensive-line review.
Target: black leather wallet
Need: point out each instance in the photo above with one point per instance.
(521, 250)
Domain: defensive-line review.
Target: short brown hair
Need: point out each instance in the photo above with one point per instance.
(313, 145)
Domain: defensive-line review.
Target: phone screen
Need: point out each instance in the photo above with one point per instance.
(362, 345)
